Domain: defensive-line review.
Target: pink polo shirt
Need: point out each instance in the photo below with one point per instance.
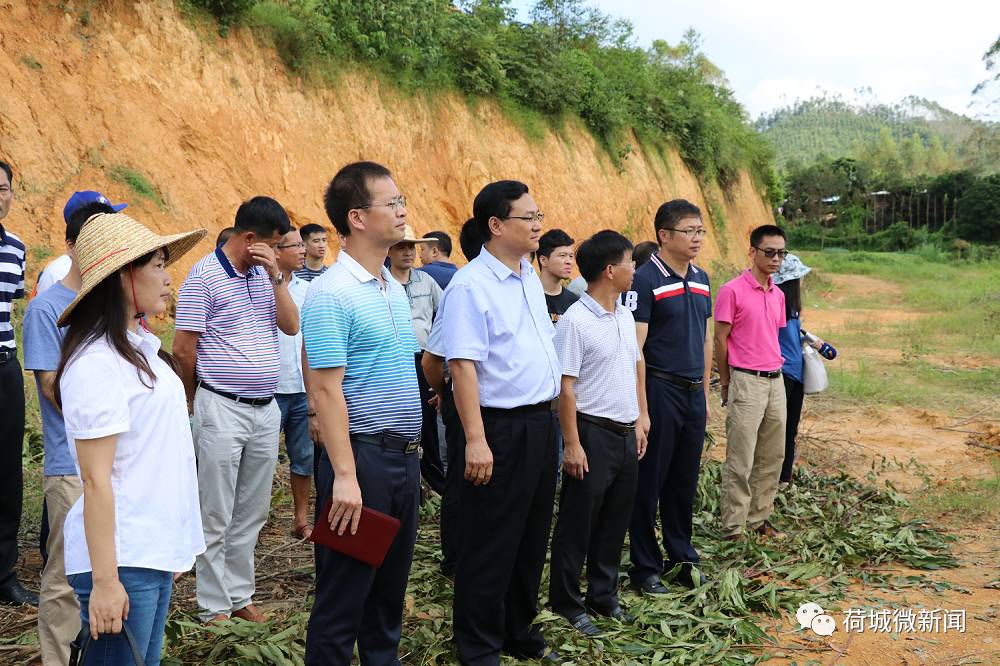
(756, 314)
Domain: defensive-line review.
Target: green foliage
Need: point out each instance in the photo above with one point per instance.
(907, 139)
(226, 11)
(569, 60)
(31, 63)
(137, 182)
(979, 212)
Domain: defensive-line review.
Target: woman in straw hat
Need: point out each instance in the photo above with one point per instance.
(126, 420)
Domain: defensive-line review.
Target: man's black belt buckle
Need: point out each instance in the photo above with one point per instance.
(677, 380)
(255, 402)
(389, 440)
(767, 374)
(7, 355)
(608, 424)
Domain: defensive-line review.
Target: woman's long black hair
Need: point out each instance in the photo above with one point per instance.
(793, 297)
(102, 314)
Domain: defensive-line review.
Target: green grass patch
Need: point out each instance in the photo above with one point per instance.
(970, 499)
(30, 62)
(138, 183)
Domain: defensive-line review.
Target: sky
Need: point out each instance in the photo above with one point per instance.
(776, 51)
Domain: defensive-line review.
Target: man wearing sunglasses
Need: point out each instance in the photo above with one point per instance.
(749, 311)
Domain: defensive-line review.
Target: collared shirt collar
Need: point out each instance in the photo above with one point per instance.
(144, 340)
(228, 266)
(359, 272)
(596, 307)
(667, 271)
(500, 269)
(752, 281)
(446, 264)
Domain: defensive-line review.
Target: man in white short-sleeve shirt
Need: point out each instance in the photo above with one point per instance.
(598, 408)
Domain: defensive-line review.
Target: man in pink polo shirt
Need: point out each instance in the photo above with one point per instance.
(749, 310)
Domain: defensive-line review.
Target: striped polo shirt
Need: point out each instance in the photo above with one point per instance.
(349, 321)
(11, 283)
(236, 317)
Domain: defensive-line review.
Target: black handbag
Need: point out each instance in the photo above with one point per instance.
(78, 648)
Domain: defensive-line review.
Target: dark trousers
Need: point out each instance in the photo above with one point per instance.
(504, 535)
(794, 396)
(455, 436)
(11, 474)
(430, 463)
(593, 518)
(668, 479)
(355, 601)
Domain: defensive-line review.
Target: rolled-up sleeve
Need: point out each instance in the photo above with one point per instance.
(465, 331)
(90, 414)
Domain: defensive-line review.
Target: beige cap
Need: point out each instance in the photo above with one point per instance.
(410, 237)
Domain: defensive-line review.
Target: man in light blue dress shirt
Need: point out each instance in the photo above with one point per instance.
(497, 338)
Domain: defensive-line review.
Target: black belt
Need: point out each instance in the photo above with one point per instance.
(616, 427)
(7, 355)
(388, 440)
(677, 380)
(546, 406)
(768, 374)
(256, 402)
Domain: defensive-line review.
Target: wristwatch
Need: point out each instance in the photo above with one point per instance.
(279, 280)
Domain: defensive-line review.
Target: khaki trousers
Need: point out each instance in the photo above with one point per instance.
(755, 450)
(58, 608)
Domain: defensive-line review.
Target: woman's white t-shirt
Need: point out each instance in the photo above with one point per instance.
(154, 478)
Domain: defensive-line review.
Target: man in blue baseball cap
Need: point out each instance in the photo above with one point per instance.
(58, 268)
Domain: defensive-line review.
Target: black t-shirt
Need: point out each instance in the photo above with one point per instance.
(559, 304)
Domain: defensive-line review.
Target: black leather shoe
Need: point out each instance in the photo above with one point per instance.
(615, 613)
(651, 585)
(584, 625)
(15, 595)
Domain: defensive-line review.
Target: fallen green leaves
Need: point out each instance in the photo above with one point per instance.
(840, 530)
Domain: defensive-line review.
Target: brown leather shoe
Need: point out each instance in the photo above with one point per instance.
(768, 530)
(250, 613)
(732, 537)
(221, 617)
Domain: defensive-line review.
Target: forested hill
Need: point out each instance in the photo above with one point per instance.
(923, 130)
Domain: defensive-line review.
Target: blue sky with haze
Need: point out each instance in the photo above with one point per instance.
(776, 51)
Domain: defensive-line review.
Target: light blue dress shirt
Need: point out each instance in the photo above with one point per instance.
(497, 318)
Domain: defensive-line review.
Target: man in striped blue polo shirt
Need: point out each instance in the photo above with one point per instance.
(360, 343)
(11, 402)
(229, 311)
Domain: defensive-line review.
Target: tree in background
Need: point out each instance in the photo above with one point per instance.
(979, 215)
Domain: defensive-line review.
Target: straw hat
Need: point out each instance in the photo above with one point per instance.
(109, 242)
(410, 236)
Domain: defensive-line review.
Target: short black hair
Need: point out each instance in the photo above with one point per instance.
(599, 251)
(263, 216)
(670, 214)
(495, 200)
(643, 251)
(349, 190)
(7, 170)
(443, 241)
(81, 215)
(764, 230)
(552, 239)
(224, 235)
(469, 239)
(309, 230)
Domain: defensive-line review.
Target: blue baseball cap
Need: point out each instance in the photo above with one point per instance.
(85, 198)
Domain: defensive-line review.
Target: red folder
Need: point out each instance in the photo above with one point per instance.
(371, 542)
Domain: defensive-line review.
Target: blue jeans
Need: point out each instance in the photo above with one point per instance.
(148, 601)
(295, 424)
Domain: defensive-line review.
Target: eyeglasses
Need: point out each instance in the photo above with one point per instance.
(537, 217)
(696, 233)
(628, 262)
(299, 244)
(395, 204)
(770, 254)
